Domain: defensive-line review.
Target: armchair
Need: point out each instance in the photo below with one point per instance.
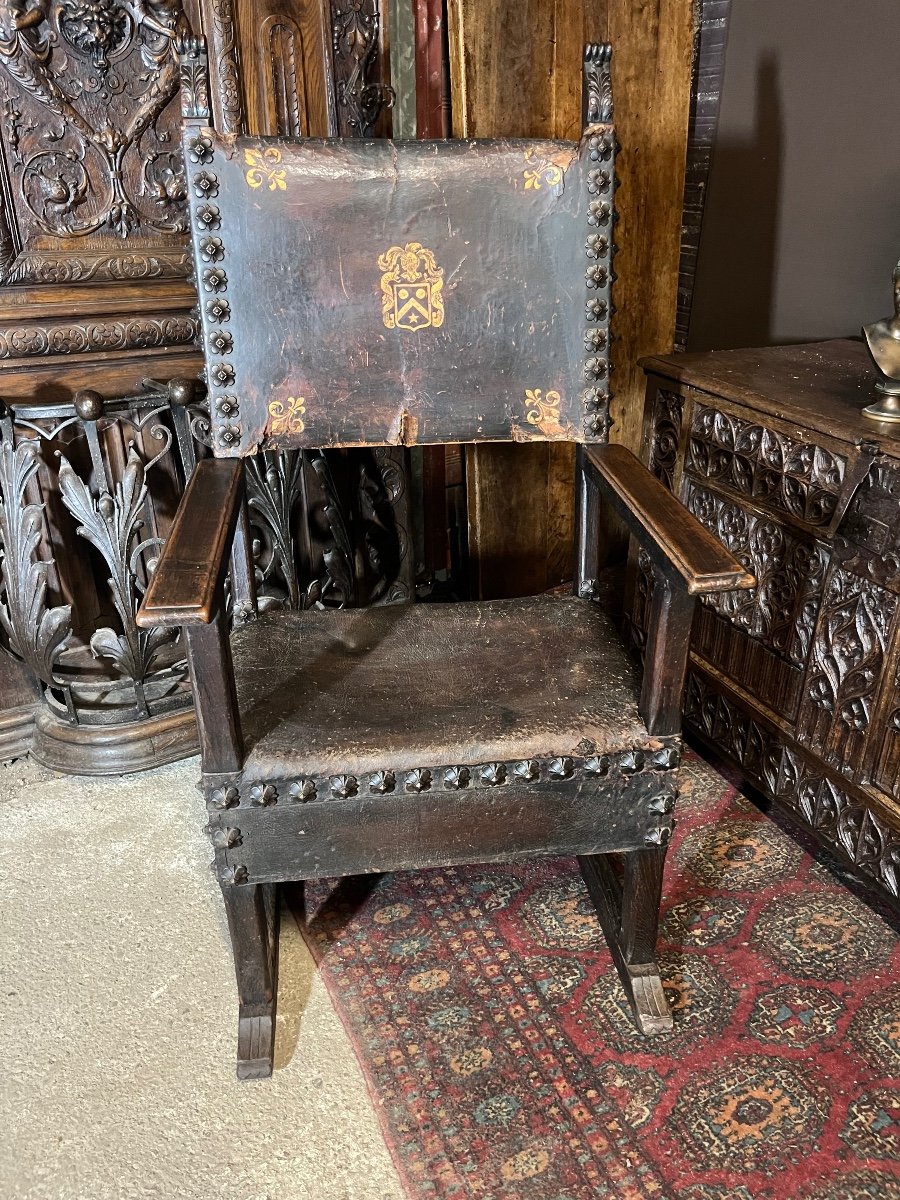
(410, 293)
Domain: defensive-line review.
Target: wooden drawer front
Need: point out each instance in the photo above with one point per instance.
(774, 470)
(760, 637)
(853, 635)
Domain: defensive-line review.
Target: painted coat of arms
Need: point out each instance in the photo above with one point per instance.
(411, 288)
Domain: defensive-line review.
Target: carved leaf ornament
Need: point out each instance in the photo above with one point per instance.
(111, 523)
(34, 633)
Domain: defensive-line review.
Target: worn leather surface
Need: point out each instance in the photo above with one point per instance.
(386, 292)
(431, 684)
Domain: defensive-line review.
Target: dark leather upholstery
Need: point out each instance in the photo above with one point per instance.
(432, 684)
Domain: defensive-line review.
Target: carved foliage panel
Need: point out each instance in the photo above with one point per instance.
(89, 139)
(840, 819)
(778, 472)
(846, 667)
(85, 504)
(665, 435)
(762, 636)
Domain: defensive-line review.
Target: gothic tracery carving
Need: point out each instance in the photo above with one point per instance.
(667, 416)
(799, 478)
(785, 775)
(356, 32)
(846, 667)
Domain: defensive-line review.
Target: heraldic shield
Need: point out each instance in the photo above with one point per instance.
(411, 288)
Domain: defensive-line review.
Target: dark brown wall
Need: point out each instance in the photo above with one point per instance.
(802, 225)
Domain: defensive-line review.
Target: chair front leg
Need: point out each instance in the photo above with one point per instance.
(627, 901)
(628, 909)
(666, 655)
(253, 914)
(215, 699)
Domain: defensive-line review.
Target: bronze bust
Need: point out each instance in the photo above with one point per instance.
(883, 341)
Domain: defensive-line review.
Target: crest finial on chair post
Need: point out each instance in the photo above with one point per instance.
(193, 68)
(596, 84)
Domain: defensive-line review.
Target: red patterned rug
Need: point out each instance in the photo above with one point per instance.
(488, 1019)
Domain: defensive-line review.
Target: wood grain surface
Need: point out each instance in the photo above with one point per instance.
(515, 71)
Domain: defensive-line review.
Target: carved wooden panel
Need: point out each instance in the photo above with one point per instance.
(361, 69)
(285, 54)
(868, 540)
(855, 625)
(93, 227)
(757, 461)
(868, 545)
(668, 410)
(762, 636)
(798, 680)
(94, 179)
(842, 816)
(886, 772)
(312, 68)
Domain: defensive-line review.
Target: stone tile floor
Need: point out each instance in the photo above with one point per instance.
(118, 1015)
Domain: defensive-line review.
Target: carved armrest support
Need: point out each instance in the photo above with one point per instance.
(186, 588)
(683, 549)
(687, 562)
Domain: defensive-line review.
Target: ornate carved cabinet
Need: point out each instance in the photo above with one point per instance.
(797, 680)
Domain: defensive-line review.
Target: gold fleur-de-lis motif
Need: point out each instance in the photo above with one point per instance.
(286, 416)
(544, 409)
(263, 168)
(544, 172)
(540, 170)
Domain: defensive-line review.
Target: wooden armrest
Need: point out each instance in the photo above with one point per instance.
(186, 586)
(673, 537)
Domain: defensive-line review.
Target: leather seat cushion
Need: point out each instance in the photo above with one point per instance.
(329, 692)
